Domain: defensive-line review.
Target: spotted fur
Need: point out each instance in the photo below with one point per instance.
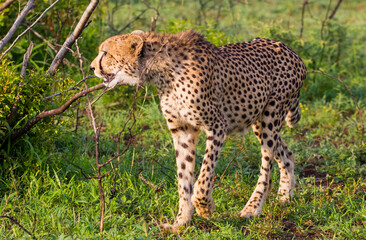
(219, 90)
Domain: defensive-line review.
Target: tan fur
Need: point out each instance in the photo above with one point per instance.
(219, 90)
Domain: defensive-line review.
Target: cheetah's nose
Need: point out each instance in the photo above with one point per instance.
(92, 68)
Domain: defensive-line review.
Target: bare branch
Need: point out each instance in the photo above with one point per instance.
(45, 40)
(35, 22)
(324, 21)
(75, 165)
(53, 112)
(130, 22)
(153, 19)
(79, 57)
(64, 61)
(302, 17)
(15, 106)
(26, 60)
(69, 89)
(148, 183)
(6, 4)
(16, 24)
(74, 35)
(13, 220)
(335, 9)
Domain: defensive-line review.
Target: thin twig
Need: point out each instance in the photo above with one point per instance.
(69, 89)
(44, 39)
(25, 31)
(13, 220)
(15, 106)
(132, 21)
(223, 174)
(74, 35)
(6, 4)
(75, 165)
(324, 21)
(230, 189)
(302, 16)
(64, 61)
(79, 57)
(335, 9)
(52, 112)
(16, 24)
(26, 60)
(153, 19)
(148, 183)
(100, 95)
(34, 223)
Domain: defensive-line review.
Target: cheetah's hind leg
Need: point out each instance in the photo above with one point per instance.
(285, 160)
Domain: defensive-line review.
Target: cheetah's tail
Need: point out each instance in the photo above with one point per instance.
(293, 116)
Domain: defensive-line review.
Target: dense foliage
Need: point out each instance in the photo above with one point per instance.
(38, 181)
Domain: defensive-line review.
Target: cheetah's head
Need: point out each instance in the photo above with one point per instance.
(117, 61)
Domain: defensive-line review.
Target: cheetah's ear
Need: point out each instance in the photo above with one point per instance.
(136, 44)
(138, 32)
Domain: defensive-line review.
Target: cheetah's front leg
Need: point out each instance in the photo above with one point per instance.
(202, 197)
(185, 139)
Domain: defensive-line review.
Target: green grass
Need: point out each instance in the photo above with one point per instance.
(50, 196)
(329, 200)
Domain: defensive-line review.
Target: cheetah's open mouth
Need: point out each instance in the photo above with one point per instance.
(108, 78)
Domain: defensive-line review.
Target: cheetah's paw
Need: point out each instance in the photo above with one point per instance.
(249, 211)
(205, 206)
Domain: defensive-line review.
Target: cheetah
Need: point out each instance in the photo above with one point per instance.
(217, 90)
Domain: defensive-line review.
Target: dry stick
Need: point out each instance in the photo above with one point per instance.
(302, 17)
(34, 223)
(335, 9)
(323, 22)
(65, 61)
(353, 97)
(15, 106)
(53, 112)
(97, 135)
(25, 31)
(26, 60)
(148, 183)
(6, 4)
(44, 39)
(100, 183)
(77, 166)
(13, 220)
(69, 89)
(223, 174)
(16, 24)
(74, 35)
(153, 19)
(130, 22)
(79, 57)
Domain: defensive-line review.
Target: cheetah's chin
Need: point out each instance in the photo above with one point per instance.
(110, 81)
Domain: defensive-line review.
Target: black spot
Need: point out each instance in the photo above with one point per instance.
(189, 158)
